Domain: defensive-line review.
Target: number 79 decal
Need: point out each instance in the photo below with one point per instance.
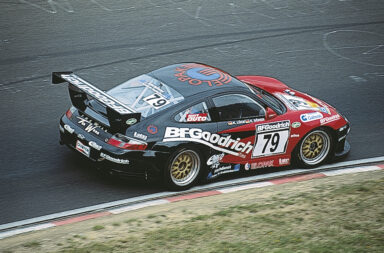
(156, 100)
(271, 139)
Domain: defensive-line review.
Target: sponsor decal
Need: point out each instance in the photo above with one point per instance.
(140, 136)
(244, 121)
(295, 135)
(272, 126)
(81, 137)
(285, 100)
(224, 144)
(112, 159)
(195, 74)
(131, 121)
(271, 138)
(283, 161)
(324, 107)
(307, 117)
(298, 103)
(101, 96)
(69, 129)
(292, 93)
(94, 145)
(197, 117)
(90, 127)
(84, 149)
(223, 170)
(214, 161)
(325, 110)
(156, 100)
(329, 119)
(296, 124)
(260, 165)
(152, 129)
(247, 166)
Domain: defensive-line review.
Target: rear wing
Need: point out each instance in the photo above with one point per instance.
(120, 116)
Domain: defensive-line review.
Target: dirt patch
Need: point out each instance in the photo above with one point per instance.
(334, 214)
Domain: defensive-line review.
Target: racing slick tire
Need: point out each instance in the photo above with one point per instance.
(314, 149)
(183, 169)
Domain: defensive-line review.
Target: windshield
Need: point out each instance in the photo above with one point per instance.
(269, 99)
(146, 95)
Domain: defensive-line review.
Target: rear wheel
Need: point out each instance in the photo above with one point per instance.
(183, 169)
(314, 148)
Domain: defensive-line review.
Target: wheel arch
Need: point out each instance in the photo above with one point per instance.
(201, 150)
(333, 136)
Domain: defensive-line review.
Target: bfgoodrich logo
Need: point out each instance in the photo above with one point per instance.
(273, 126)
(215, 141)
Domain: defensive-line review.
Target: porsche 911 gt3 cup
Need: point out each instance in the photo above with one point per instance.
(191, 121)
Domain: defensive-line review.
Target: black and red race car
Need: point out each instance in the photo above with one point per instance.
(191, 121)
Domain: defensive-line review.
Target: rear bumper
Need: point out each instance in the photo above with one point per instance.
(126, 163)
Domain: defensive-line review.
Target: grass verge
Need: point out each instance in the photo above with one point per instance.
(337, 214)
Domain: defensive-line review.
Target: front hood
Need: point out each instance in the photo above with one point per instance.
(293, 100)
(264, 82)
(297, 101)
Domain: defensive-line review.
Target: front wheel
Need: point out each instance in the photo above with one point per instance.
(314, 148)
(183, 169)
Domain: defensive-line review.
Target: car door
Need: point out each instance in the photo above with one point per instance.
(259, 141)
(236, 115)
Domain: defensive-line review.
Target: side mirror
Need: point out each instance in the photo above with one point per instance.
(270, 114)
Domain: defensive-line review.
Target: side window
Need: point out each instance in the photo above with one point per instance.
(237, 106)
(195, 113)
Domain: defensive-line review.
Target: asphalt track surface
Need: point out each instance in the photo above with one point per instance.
(332, 49)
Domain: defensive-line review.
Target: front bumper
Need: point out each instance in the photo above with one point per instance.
(342, 147)
(127, 163)
(344, 152)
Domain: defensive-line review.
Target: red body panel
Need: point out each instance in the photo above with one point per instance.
(326, 116)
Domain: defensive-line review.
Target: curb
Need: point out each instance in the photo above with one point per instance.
(188, 196)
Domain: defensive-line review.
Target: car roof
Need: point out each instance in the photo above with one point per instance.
(193, 78)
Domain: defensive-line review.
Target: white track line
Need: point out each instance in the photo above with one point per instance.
(245, 187)
(140, 205)
(25, 230)
(350, 171)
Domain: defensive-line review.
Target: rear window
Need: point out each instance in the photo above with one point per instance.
(146, 95)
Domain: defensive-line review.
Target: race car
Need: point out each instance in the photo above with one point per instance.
(188, 122)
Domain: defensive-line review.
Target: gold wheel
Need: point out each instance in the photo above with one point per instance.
(315, 147)
(184, 168)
